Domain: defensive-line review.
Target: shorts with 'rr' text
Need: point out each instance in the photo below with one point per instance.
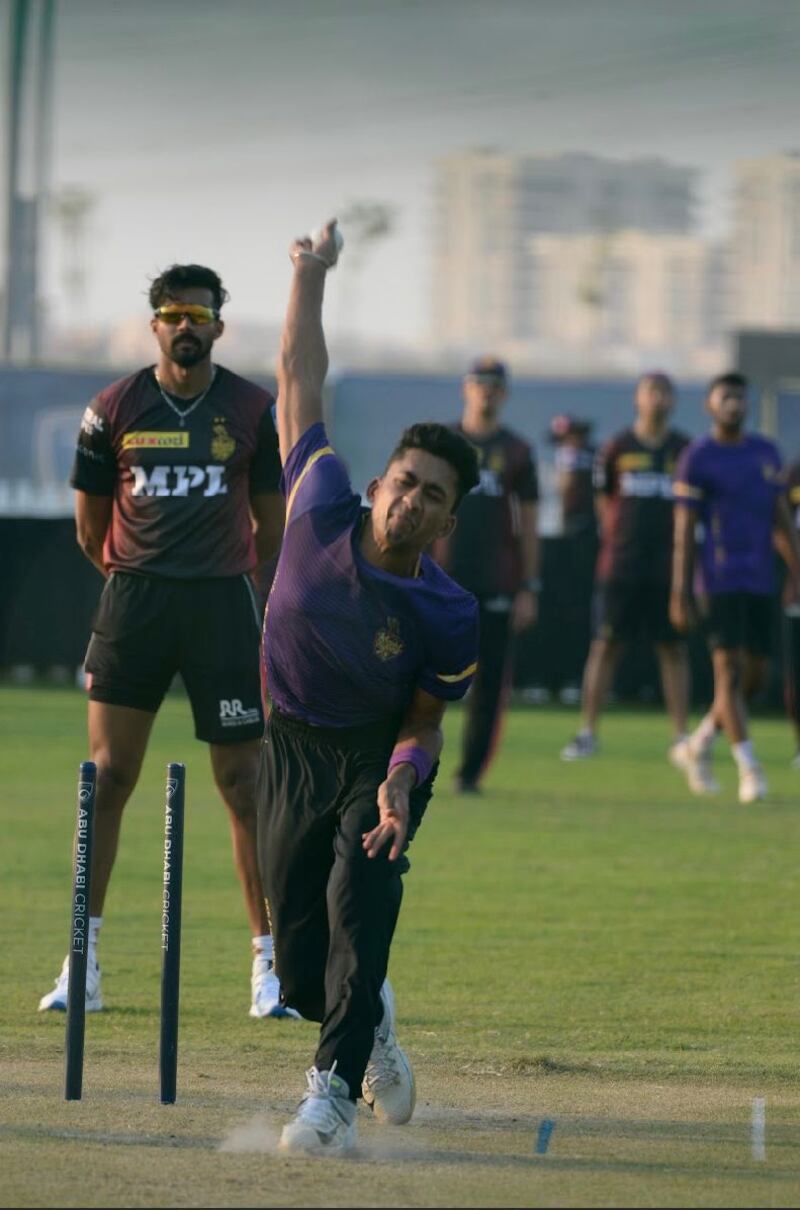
(149, 629)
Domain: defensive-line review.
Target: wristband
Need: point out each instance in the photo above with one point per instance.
(412, 755)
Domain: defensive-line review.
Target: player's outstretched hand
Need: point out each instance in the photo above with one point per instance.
(393, 820)
(323, 246)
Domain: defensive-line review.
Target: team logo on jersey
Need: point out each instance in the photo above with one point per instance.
(141, 440)
(222, 444)
(496, 462)
(91, 422)
(388, 643)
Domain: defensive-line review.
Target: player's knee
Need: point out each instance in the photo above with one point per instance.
(116, 779)
(237, 785)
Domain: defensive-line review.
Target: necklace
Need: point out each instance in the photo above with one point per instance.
(196, 403)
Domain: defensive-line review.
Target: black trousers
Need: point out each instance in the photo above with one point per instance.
(488, 690)
(333, 910)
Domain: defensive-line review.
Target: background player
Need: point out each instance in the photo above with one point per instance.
(365, 641)
(633, 482)
(493, 552)
(176, 476)
(731, 481)
(791, 624)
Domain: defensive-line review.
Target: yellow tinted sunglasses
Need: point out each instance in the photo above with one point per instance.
(173, 313)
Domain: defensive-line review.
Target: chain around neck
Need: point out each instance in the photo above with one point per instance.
(195, 403)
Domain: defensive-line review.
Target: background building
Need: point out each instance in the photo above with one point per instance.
(766, 241)
(489, 204)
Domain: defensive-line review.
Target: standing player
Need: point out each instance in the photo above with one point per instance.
(574, 464)
(791, 625)
(365, 641)
(732, 482)
(176, 476)
(633, 481)
(494, 552)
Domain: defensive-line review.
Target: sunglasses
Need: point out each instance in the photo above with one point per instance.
(174, 313)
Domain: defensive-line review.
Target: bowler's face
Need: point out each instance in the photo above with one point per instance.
(412, 502)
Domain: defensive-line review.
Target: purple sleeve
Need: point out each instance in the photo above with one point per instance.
(688, 486)
(449, 674)
(314, 475)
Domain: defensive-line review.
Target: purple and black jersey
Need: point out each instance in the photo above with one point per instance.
(734, 488)
(346, 643)
(181, 486)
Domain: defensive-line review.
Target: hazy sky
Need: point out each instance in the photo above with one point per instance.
(215, 132)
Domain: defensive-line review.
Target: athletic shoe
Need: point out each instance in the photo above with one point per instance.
(388, 1086)
(752, 784)
(266, 990)
(325, 1123)
(796, 761)
(56, 1000)
(580, 748)
(466, 787)
(696, 764)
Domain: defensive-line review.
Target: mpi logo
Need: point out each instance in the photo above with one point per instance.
(178, 481)
(233, 714)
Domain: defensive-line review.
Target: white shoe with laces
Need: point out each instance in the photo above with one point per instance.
(325, 1123)
(696, 763)
(752, 784)
(266, 991)
(56, 1000)
(582, 747)
(388, 1086)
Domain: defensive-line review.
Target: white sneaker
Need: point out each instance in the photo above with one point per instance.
(696, 764)
(752, 785)
(325, 1123)
(266, 991)
(388, 1086)
(56, 1000)
(795, 761)
(580, 748)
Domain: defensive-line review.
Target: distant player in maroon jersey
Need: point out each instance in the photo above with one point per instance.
(633, 482)
(791, 625)
(177, 478)
(365, 641)
(573, 460)
(493, 552)
(731, 481)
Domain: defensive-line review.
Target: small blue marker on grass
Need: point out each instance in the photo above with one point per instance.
(546, 1127)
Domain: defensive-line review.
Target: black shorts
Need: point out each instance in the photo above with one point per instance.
(147, 629)
(739, 621)
(624, 609)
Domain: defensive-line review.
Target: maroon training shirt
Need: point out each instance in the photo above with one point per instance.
(181, 488)
(636, 479)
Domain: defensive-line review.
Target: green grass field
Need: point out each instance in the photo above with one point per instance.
(586, 943)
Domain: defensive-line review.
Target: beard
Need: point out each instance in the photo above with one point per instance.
(187, 351)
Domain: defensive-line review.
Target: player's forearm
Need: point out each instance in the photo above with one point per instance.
(787, 541)
(303, 358)
(530, 550)
(683, 552)
(92, 547)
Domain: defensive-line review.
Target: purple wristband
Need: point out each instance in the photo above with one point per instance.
(413, 755)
